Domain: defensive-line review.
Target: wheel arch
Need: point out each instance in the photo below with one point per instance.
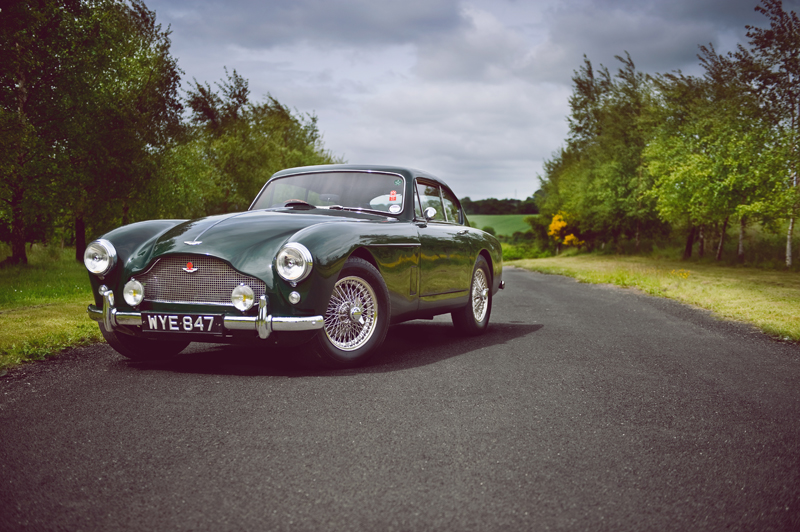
(362, 252)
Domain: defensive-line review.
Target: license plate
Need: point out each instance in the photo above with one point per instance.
(182, 323)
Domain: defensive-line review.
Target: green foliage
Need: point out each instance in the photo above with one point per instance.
(650, 155)
(232, 149)
(92, 135)
(89, 100)
(500, 206)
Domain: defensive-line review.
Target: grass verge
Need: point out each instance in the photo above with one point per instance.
(770, 300)
(43, 307)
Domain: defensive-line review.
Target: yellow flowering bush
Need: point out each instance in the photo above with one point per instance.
(683, 274)
(557, 227)
(558, 231)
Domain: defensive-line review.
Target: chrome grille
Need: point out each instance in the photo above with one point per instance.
(212, 283)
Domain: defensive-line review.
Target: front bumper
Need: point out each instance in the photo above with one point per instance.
(263, 323)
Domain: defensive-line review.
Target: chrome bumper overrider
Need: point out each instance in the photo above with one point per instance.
(263, 323)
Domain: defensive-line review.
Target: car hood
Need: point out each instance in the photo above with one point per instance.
(248, 240)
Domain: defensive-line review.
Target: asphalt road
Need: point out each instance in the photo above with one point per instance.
(584, 408)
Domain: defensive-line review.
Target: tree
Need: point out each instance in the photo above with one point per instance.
(88, 98)
(774, 64)
(599, 178)
(237, 145)
(127, 119)
(35, 63)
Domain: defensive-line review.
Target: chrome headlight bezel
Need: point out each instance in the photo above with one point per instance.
(294, 262)
(100, 257)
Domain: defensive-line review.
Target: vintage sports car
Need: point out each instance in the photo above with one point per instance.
(327, 256)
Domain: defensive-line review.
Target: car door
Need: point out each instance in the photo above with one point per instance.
(445, 264)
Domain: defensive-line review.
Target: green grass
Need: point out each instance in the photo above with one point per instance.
(503, 224)
(43, 306)
(770, 300)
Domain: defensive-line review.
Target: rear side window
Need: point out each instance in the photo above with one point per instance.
(429, 197)
(450, 206)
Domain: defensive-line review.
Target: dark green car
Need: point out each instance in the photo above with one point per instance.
(326, 256)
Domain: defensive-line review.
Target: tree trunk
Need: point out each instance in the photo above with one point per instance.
(740, 252)
(18, 253)
(789, 243)
(80, 238)
(722, 238)
(687, 251)
(637, 236)
(702, 238)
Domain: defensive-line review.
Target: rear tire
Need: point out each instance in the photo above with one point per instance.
(356, 319)
(142, 349)
(473, 319)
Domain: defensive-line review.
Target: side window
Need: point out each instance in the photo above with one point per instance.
(429, 197)
(450, 206)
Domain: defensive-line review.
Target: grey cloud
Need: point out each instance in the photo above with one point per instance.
(661, 36)
(263, 24)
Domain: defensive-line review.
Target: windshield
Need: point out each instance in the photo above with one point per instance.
(347, 190)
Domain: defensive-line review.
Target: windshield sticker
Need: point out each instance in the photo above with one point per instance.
(398, 182)
(394, 209)
(393, 195)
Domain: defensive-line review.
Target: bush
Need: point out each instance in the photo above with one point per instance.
(523, 251)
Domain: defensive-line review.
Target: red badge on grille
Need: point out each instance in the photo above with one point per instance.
(189, 268)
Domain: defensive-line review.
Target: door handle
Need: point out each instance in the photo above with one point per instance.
(462, 232)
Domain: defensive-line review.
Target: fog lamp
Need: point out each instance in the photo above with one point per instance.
(243, 297)
(133, 292)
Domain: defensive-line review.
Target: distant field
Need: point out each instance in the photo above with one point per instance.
(504, 224)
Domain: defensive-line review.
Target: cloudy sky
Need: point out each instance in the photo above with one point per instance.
(474, 91)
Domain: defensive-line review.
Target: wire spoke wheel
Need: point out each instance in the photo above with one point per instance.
(352, 314)
(480, 295)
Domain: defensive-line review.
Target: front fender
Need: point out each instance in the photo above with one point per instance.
(134, 245)
(393, 246)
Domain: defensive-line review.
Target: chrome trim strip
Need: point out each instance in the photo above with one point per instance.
(108, 308)
(95, 313)
(307, 323)
(445, 293)
(331, 171)
(410, 244)
(263, 324)
(263, 320)
(239, 323)
(128, 318)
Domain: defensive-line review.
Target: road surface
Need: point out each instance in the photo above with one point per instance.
(584, 408)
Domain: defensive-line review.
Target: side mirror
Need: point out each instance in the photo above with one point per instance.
(429, 213)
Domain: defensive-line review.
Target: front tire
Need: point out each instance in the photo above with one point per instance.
(356, 319)
(142, 349)
(473, 319)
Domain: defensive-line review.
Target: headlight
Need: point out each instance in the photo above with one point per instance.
(294, 262)
(100, 257)
(133, 292)
(243, 297)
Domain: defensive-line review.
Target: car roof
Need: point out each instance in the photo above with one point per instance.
(409, 173)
